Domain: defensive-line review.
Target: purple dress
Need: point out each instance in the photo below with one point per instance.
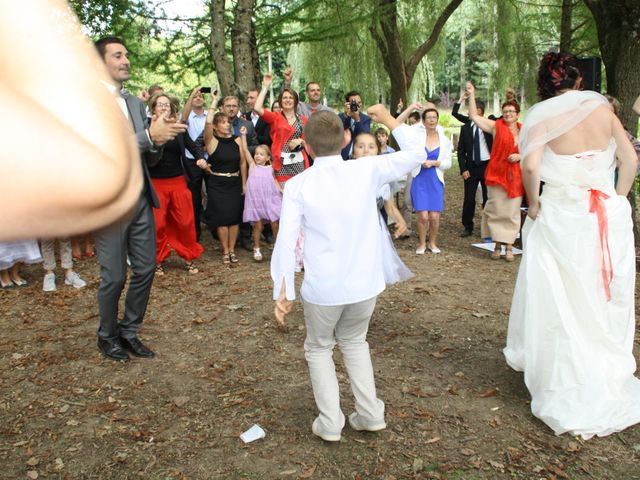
(263, 200)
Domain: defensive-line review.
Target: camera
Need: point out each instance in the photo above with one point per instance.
(353, 106)
(205, 90)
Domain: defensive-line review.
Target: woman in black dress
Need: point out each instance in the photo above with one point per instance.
(227, 170)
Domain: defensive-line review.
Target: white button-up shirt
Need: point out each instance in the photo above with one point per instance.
(335, 203)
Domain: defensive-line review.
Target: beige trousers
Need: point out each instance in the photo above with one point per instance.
(501, 216)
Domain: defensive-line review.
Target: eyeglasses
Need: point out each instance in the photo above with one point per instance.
(509, 111)
(163, 105)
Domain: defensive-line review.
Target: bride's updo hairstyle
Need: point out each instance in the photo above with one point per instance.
(557, 71)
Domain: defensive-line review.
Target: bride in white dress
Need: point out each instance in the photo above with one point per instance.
(572, 318)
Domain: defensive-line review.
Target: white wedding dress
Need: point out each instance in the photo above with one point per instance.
(573, 343)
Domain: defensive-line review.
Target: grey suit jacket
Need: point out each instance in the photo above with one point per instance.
(148, 153)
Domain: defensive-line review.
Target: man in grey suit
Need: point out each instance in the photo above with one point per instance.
(133, 236)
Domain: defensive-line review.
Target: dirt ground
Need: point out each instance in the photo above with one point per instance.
(454, 408)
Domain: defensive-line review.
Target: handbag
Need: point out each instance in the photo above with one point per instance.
(289, 158)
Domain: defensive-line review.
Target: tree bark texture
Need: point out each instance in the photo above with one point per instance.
(387, 37)
(242, 73)
(565, 26)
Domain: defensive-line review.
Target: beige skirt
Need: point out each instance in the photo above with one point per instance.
(501, 216)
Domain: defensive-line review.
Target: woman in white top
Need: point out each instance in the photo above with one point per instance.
(427, 188)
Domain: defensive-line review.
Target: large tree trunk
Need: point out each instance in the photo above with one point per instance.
(618, 24)
(244, 48)
(565, 26)
(244, 73)
(387, 37)
(221, 62)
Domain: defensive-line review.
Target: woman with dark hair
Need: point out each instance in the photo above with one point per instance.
(572, 318)
(427, 186)
(503, 175)
(287, 148)
(175, 224)
(226, 182)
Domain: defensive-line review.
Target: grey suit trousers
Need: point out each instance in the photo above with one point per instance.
(133, 237)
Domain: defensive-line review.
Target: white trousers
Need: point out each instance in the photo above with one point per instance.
(347, 326)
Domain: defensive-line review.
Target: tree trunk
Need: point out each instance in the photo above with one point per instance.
(387, 37)
(619, 38)
(244, 48)
(219, 50)
(565, 26)
(243, 74)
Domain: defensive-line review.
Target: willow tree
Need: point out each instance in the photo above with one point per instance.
(399, 64)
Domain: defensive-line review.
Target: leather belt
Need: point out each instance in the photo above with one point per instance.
(220, 174)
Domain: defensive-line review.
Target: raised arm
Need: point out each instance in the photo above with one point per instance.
(485, 124)
(208, 128)
(245, 148)
(267, 78)
(455, 113)
(404, 115)
(379, 114)
(187, 105)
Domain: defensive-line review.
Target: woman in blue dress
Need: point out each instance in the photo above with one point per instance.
(427, 187)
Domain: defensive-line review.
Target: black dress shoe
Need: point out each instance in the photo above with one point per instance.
(136, 347)
(112, 350)
(466, 233)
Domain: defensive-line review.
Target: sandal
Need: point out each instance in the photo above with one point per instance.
(159, 269)
(257, 255)
(232, 257)
(508, 256)
(495, 255)
(191, 268)
(226, 259)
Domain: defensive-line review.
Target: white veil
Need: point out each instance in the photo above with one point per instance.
(553, 117)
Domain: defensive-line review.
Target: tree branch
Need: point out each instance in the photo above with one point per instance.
(422, 50)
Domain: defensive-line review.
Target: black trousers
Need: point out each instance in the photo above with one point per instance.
(196, 179)
(476, 173)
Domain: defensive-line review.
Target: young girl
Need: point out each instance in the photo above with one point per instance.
(263, 196)
(367, 145)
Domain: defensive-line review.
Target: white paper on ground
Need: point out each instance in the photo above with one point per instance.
(253, 434)
(489, 247)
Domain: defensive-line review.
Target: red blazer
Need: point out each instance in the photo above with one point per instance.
(281, 131)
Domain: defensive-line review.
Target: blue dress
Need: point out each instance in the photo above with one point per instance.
(427, 191)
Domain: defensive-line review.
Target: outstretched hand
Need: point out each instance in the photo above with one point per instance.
(470, 89)
(163, 130)
(288, 75)
(267, 79)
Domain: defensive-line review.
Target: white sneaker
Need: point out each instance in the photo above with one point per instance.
(257, 255)
(74, 280)
(49, 282)
(359, 424)
(326, 436)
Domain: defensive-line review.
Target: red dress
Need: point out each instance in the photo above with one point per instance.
(281, 133)
(501, 172)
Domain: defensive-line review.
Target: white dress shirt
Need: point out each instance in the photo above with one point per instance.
(335, 203)
(485, 155)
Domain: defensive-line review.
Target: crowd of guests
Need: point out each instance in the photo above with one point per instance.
(229, 168)
(572, 318)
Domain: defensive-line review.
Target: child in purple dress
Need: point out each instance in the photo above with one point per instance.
(263, 196)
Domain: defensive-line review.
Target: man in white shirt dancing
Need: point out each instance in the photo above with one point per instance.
(335, 202)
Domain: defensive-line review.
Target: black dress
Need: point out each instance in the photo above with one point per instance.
(225, 201)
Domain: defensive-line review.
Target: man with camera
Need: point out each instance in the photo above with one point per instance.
(354, 120)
